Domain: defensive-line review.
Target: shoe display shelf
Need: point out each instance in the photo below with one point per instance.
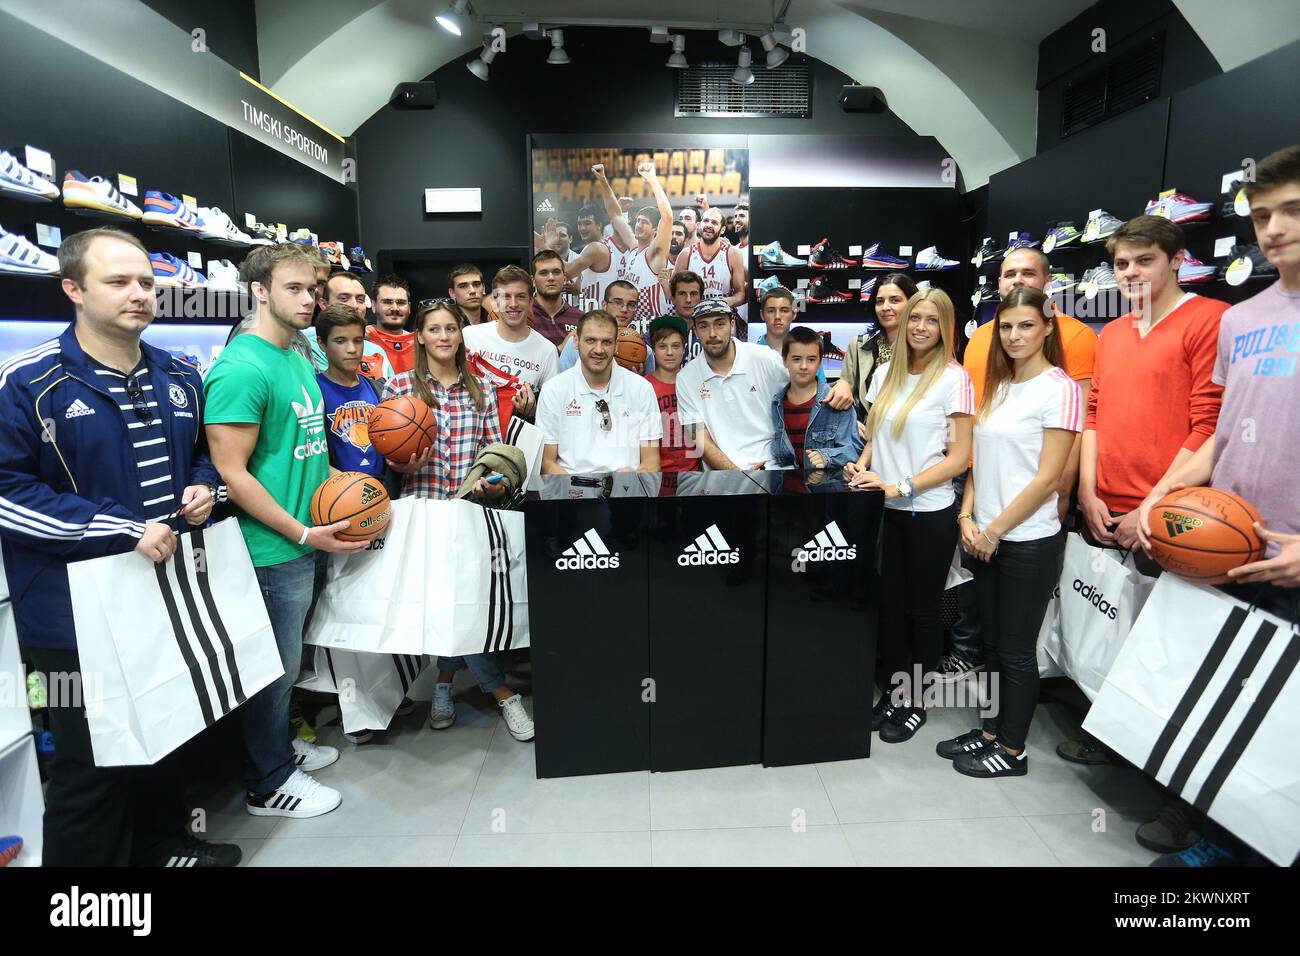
(22, 806)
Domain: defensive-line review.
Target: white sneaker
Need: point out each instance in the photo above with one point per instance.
(97, 193)
(218, 225)
(222, 274)
(20, 257)
(929, 258)
(17, 179)
(299, 796)
(443, 713)
(310, 757)
(518, 722)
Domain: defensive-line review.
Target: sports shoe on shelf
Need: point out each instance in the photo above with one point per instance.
(867, 289)
(217, 225)
(334, 253)
(1022, 241)
(884, 709)
(19, 182)
(929, 258)
(1176, 827)
(1180, 208)
(169, 272)
(829, 349)
(985, 253)
(357, 256)
(1062, 234)
(443, 712)
(304, 237)
(822, 291)
(518, 722)
(970, 742)
(826, 256)
(311, 757)
(1100, 226)
(1087, 751)
(264, 235)
(1194, 270)
(764, 286)
(1098, 279)
(984, 295)
(164, 209)
(300, 796)
(954, 667)
(902, 725)
(1059, 282)
(992, 761)
(18, 256)
(223, 274)
(1246, 263)
(873, 258)
(97, 194)
(187, 852)
(10, 847)
(774, 257)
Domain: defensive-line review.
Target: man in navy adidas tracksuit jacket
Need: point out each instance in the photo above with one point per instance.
(101, 442)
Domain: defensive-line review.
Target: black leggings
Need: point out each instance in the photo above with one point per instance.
(915, 553)
(1013, 591)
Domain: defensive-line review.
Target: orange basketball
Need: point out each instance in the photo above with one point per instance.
(401, 427)
(630, 351)
(354, 497)
(1202, 533)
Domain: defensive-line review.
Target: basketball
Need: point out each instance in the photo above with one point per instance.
(630, 351)
(356, 498)
(401, 427)
(1202, 533)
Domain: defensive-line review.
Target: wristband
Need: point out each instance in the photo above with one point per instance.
(303, 539)
(965, 514)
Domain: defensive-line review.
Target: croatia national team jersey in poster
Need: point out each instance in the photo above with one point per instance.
(594, 283)
(716, 272)
(652, 300)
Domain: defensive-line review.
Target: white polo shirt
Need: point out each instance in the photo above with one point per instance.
(737, 409)
(568, 418)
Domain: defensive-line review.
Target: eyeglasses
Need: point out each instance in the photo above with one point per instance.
(138, 404)
(606, 423)
(433, 303)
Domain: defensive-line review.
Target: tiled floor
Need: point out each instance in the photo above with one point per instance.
(468, 796)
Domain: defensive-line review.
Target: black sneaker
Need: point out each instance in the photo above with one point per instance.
(983, 254)
(822, 290)
(883, 710)
(954, 667)
(1086, 751)
(1177, 827)
(902, 725)
(826, 256)
(187, 851)
(973, 741)
(1246, 263)
(829, 349)
(992, 761)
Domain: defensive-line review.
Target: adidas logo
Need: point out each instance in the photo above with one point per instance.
(828, 544)
(77, 409)
(588, 553)
(1096, 598)
(1176, 523)
(310, 417)
(709, 548)
(546, 206)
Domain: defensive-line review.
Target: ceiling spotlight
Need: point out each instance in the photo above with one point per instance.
(533, 30)
(479, 67)
(731, 37)
(744, 76)
(449, 19)
(783, 33)
(659, 35)
(557, 56)
(776, 55)
(678, 60)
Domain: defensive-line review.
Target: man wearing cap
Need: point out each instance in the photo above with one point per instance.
(668, 335)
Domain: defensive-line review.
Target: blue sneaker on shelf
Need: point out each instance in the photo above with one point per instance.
(10, 847)
(774, 257)
(164, 209)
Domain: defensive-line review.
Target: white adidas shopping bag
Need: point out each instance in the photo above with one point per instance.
(1205, 697)
(370, 687)
(1049, 637)
(168, 649)
(1101, 596)
(373, 600)
(527, 437)
(450, 579)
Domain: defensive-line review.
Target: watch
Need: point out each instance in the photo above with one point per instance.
(905, 488)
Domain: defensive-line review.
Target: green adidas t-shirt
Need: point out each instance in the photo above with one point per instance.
(255, 382)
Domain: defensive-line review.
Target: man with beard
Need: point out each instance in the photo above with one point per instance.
(689, 217)
(740, 241)
(716, 261)
(551, 315)
(392, 310)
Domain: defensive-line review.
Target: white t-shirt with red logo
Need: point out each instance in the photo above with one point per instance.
(506, 365)
(569, 419)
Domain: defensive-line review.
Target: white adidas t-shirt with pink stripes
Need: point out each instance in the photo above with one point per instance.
(924, 441)
(1009, 443)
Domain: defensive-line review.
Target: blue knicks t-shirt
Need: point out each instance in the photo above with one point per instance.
(347, 414)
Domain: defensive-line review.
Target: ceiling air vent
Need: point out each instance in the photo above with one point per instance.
(706, 90)
(1130, 79)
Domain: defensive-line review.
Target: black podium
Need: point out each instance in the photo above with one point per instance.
(705, 619)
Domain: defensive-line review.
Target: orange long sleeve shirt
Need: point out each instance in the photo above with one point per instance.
(1152, 397)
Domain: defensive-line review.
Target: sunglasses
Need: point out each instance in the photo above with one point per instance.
(606, 423)
(433, 303)
(136, 394)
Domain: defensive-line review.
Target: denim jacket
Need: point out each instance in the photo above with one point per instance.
(833, 434)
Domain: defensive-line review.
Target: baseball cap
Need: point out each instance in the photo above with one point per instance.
(710, 307)
(669, 322)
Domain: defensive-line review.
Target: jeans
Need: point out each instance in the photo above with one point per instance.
(482, 666)
(264, 717)
(100, 816)
(916, 551)
(1013, 590)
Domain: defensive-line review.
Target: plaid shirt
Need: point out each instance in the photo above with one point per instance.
(463, 431)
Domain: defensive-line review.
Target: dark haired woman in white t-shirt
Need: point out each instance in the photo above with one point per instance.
(1024, 428)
